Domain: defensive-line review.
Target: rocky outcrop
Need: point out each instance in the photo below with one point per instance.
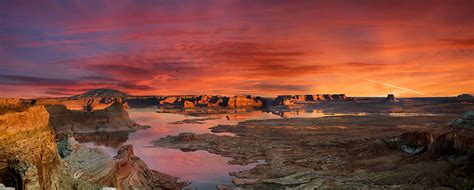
(466, 120)
(32, 118)
(132, 173)
(449, 143)
(169, 101)
(206, 101)
(465, 96)
(244, 102)
(390, 98)
(30, 158)
(187, 137)
(454, 143)
(295, 99)
(188, 104)
(124, 171)
(415, 142)
(28, 152)
(111, 119)
(15, 104)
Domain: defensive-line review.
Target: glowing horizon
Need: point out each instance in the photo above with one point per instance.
(267, 48)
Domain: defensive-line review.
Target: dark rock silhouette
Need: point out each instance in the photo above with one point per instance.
(390, 98)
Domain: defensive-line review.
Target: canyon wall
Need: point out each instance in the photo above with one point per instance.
(31, 158)
(28, 152)
(111, 119)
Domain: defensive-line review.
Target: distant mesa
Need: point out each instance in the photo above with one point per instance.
(391, 98)
(101, 93)
(295, 99)
(465, 96)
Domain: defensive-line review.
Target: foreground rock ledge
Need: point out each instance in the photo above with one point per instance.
(31, 158)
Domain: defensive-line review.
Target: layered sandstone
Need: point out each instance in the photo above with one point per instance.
(28, 153)
(111, 119)
(124, 171)
(14, 104)
(31, 159)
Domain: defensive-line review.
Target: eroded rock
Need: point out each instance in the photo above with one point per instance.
(466, 120)
(111, 119)
(183, 137)
(415, 142)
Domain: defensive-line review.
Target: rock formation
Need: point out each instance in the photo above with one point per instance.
(30, 157)
(415, 142)
(244, 102)
(454, 143)
(390, 98)
(205, 101)
(187, 137)
(132, 173)
(466, 120)
(124, 171)
(294, 99)
(111, 119)
(449, 143)
(28, 153)
(465, 96)
(188, 104)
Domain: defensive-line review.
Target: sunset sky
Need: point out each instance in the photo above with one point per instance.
(268, 47)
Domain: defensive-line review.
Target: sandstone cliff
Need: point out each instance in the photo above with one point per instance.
(111, 119)
(31, 159)
(28, 153)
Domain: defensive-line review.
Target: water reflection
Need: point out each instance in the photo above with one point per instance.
(203, 169)
(108, 139)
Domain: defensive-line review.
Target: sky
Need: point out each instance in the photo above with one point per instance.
(230, 47)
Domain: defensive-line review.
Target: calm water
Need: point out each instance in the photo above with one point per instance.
(203, 169)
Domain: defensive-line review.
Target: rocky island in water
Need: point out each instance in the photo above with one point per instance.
(286, 142)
